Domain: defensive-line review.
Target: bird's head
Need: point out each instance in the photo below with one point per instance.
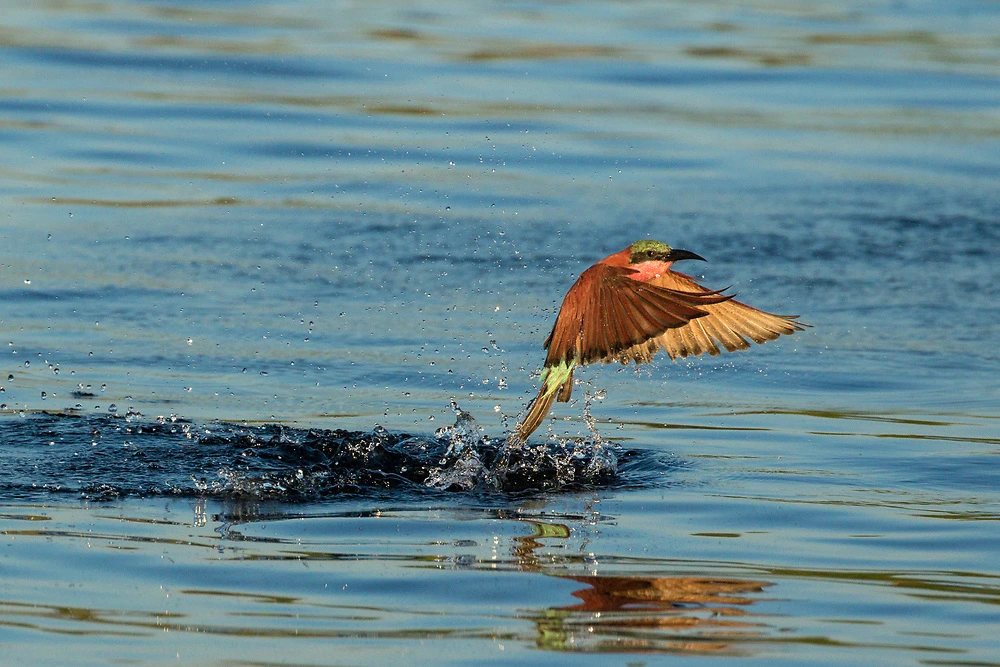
(657, 251)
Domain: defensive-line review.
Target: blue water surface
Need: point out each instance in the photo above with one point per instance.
(275, 277)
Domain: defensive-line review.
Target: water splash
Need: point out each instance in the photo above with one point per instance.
(102, 457)
(462, 467)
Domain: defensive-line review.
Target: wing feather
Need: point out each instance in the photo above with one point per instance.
(607, 316)
(730, 340)
(706, 344)
(606, 312)
(730, 323)
(613, 325)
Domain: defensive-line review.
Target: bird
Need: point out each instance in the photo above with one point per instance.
(632, 304)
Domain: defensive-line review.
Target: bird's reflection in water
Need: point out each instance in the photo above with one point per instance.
(723, 597)
(630, 610)
(658, 614)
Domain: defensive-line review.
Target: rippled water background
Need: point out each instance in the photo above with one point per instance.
(230, 229)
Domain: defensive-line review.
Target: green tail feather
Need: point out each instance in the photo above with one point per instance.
(556, 381)
(536, 413)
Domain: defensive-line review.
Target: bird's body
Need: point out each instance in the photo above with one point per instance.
(632, 304)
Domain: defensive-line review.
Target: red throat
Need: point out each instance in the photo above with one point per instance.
(646, 271)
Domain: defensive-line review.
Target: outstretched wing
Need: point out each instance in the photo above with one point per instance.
(606, 313)
(727, 323)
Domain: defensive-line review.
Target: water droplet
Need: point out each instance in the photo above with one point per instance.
(27, 364)
(44, 395)
(112, 408)
(10, 378)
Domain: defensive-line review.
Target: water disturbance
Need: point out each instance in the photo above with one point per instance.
(106, 457)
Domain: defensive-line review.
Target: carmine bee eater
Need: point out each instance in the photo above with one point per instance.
(632, 304)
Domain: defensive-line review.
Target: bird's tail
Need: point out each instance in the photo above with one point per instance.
(536, 413)
(557, 382)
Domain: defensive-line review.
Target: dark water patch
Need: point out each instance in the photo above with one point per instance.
(131, 157)
(841, 414)
(178, 107)
(329, 150)
(201, 64)
(110, 456)
(75, 294)
(471, 157)
(692, 76)
(885, 86)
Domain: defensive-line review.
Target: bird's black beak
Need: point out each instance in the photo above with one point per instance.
(676, 255)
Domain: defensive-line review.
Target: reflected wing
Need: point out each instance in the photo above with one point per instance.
(606, 313)
(727, 323)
